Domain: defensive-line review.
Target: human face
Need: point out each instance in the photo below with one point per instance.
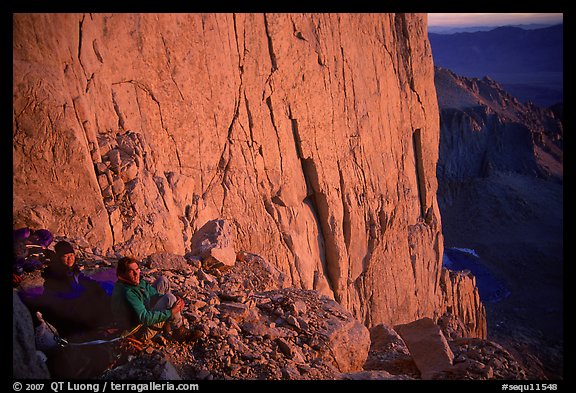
(133, 273)
(68, 259)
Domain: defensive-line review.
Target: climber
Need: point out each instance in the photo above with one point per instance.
(30, 252)
(73, 302)
(135, 302)
(19, 250)
(38, 253)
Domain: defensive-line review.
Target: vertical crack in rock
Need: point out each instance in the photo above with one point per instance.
(419, 167)
(346, 218)
(95, 179)
(158, 181)
(299, 153)
(269, 104)
(411, 246)
(169, 66)
(250, 138)
(251, 142)
(153, 97)
(373, 241)
(79, 55)
(406, 52)
(321, 208)
(97, 51)
(223, 162)
(271, 210)
(311, 179)
(89, 83)
(117, 110)
(270, 45)
(344, 83)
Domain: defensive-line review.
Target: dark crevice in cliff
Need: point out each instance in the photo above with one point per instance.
(318, 203)
(80, 27)
(97, 51)
(118, 112)
(251, 142)
(419, 167)
(413, 265)
(346, 220)
(344, 81)
(406, 52)
(299, 153)
(158, 181)
(321, 207)
(270, 45)
(89, 83)
(374, 237)
(322, 243)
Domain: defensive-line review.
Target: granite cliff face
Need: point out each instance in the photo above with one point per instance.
(315, 135)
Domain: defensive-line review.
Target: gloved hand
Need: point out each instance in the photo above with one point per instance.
(16, 279)
(178, 306)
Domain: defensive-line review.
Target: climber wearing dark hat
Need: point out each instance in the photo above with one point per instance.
(30, 251)
(38, 252)
(72, 301)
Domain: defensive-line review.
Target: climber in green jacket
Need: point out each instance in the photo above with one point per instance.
(135, 302)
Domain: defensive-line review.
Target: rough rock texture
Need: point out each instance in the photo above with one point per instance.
(482, 359)
(388, 352)
(251, 328)
(214, 244)
(316, 136)
(463, 314)
(279, 333)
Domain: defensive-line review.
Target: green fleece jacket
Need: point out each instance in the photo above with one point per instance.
(131, 303)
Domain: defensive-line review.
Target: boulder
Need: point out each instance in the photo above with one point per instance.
(428, 346)
(214, 244)
(252, 271)
(389, 352)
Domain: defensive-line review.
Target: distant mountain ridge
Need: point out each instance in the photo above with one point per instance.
(528, 63)
(503, 49)
(473, 29)
(479, 121)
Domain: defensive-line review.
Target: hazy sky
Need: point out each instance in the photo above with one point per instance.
(498, 19)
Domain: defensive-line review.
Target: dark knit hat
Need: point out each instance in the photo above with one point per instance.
(63, 247)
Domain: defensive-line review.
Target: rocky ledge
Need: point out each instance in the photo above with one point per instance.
(251, 326)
